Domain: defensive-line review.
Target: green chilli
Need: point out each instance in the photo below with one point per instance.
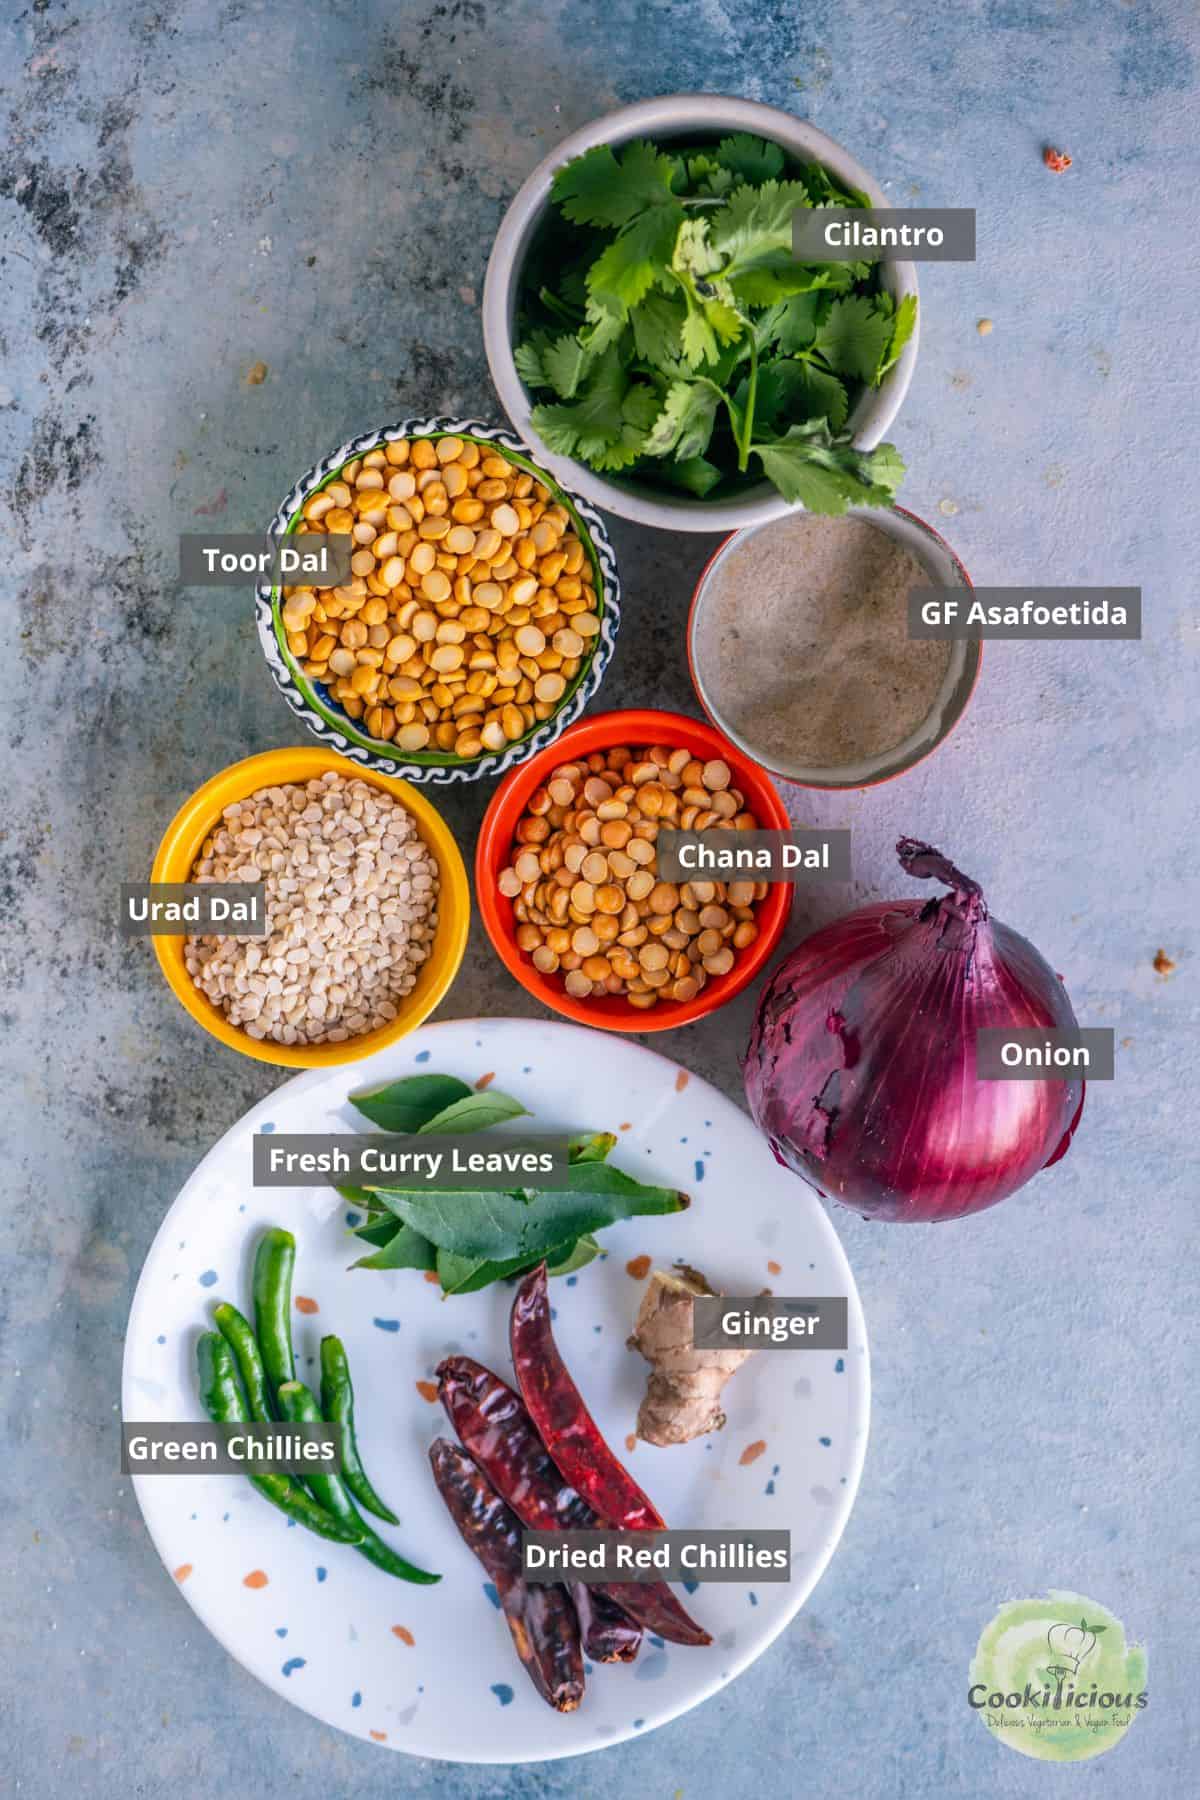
(274, 1261)
(337, 1406)
(298, 1405)
(237, 1332)
(225, 1404)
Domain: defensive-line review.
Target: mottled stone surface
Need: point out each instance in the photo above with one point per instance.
(189, 188)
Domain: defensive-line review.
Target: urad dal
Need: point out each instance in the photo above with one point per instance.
(351, 901)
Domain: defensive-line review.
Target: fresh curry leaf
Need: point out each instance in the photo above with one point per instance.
(406, 1105)
(404, 1248)
(503, 1227)
(593, 1146)
(475, 1112)
(571, 1257)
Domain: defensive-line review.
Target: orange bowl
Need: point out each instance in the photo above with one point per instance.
(493, 852)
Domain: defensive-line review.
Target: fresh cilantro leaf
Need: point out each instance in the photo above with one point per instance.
(592, 424)
(824, 477)
(677, 291)
(638, 257)
(751, 159)
(597, 189)
(823, 190)
(756, 222)
(711, 321)
(695, 474)
(844, 277)
(816, 395)
(685, 424)
(776, 277)
(564, 310)
(693, 252)
(904, 323)
(606, 323)
(707, 176)
(854, 338)
(800, 391)
(657, 324)
(565, 362)
(639, 409)
(798, 324)
(528, 359)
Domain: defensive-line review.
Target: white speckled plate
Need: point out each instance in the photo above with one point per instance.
(431, 1670)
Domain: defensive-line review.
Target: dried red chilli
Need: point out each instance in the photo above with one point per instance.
(609, 1634)
(564, 1424)
(861, 1064)
(498, 1432)
(542, 1621)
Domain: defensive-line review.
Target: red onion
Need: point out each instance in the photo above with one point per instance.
(861, 1065)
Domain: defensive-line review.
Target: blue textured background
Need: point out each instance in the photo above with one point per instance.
(187, 188)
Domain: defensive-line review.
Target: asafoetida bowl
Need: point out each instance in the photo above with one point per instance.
(943, 569)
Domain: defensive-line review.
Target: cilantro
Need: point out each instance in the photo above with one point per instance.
(637, 257)
(903, 325)
(825, 476)
(668, 331)
(855, 336)
(685, 424)
(798, 323)
(596, 189)
(751, 159)
(803, 390)
(657, 326)
(756, 222)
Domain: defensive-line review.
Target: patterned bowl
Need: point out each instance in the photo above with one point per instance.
(312, 702)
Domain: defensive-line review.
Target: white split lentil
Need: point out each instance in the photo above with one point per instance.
(351, 896)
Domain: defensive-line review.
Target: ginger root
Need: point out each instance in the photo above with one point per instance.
(683, 1392)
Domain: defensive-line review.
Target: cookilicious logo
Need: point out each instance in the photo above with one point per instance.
(1055, 1678)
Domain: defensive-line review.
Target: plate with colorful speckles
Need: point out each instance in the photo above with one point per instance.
(431, 1670)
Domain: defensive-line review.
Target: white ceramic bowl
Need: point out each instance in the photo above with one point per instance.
(945, 570)
(675, 116)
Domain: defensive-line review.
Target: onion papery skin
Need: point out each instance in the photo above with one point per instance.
(861, 1072)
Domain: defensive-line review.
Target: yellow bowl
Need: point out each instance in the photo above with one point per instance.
(194, 821)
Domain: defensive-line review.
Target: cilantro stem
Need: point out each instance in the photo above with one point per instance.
(744, 435)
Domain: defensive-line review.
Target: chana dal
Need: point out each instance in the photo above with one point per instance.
(583, 877)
